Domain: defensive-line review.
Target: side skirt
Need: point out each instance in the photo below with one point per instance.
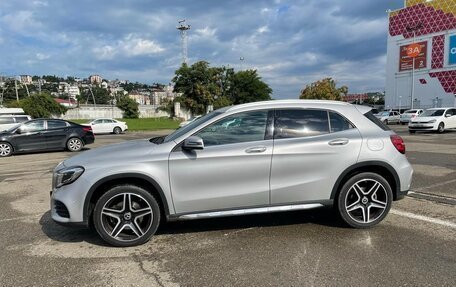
(247, 211)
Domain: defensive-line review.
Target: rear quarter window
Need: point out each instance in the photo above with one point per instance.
(376, 121)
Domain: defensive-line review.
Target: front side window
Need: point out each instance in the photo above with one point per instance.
(238, 128)
(450, 113)
(97, 122)
(34, 126)
(300, 123)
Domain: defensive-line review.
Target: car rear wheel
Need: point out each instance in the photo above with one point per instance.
(117, 130)
(126, 215)
(364, 200)
(75, 144)
(441, 128)
(5, 149)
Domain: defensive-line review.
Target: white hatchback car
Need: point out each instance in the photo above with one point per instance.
(100, 126)
(436, 119)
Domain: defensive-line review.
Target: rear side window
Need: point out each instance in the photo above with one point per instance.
(300, 123)
(376, 121)
(56, 124)
(338, 123)
(6, 120)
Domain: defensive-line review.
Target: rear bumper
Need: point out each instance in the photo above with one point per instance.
(88, 139)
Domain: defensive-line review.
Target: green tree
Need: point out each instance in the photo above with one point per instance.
(203, 85)
(41, 106)
(325, 90)
(102, 96)
(247, 86)
(129, 107)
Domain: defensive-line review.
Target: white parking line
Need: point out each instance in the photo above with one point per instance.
(424, 218)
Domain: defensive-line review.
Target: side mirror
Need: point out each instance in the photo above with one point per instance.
(448, 115)
(18, 131)
(193, 142)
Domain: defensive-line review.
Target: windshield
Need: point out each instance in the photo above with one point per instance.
(192, 125)
(410, 112)
(432, 113)
(385, 114)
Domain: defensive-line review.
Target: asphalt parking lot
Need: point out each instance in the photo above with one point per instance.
(415, 245)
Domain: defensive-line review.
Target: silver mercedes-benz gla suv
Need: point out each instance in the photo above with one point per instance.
(252, 158)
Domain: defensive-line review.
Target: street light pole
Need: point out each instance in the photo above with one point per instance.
(413, 74)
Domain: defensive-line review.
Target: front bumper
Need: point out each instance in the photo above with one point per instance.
(422, 126)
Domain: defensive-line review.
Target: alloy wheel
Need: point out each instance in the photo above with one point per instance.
(74, 144)
(5, 149)
(126, 217)
(366, 201)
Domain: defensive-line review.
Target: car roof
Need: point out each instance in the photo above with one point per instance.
(283, 103)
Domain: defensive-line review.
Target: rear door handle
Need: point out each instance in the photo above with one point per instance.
(256, 149)
(339, 142)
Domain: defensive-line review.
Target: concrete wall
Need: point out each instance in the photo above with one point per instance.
(92, 112)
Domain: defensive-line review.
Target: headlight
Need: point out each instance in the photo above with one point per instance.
(432, 121)
(67, 175)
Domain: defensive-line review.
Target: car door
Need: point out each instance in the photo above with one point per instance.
(108, 126)
(311, 149)
(56, 134)
(30, 136)
(450, 117)
(232, 171)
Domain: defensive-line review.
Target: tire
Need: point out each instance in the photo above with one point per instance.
(412, 132)
(385, 122)
(441, 128)
(131, 226)
(117, 130)
(5, 149)
(364, 200)
(74, 144)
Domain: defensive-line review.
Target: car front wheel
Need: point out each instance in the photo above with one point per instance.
(364, 200)
(117, 130)
(5, 149)
(441, 128)
(126, 215)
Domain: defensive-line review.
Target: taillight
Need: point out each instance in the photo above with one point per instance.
(398, 143)
(87, 129)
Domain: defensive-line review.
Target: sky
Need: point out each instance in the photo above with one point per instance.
(289, 43)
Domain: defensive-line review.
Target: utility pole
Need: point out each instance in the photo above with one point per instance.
(15, 86)
(184, 39)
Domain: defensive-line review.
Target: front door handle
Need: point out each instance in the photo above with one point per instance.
(256, 149)
(339, 142)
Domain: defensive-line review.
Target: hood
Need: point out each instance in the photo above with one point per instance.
(115, 153)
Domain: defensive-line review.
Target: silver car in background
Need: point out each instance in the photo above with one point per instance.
(252, 158)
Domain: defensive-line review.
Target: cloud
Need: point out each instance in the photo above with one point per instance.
(130, 46)
(290, 43)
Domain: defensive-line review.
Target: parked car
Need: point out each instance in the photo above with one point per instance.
(100, 126)
(192, 119)
(280, 156)
(436, 119)
(9, 121)
(389, 117)
(410, 114)
(44, 134)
